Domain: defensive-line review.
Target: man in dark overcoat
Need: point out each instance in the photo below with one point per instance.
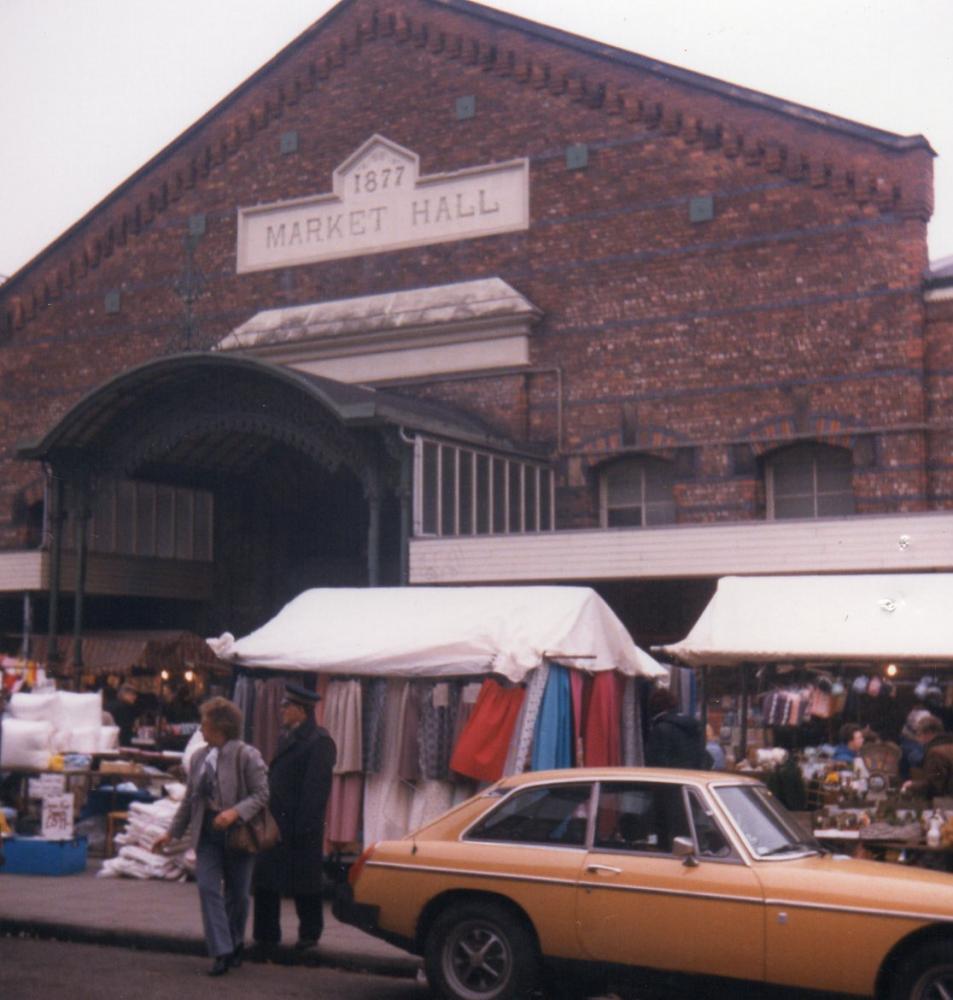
(299, 778)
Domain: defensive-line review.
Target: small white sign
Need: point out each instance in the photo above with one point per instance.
(380, 202)
(57, 823)
(46, 785)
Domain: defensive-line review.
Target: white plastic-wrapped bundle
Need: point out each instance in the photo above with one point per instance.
(35, 707)
(108, 738)
(76, 711)
(84, 740)
(26, 743)
(147, 822)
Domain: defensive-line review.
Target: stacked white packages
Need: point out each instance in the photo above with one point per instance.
(26, 743)
(147, 822)
(75, 721)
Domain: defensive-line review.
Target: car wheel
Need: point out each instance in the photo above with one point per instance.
(479, 951)
(926, 975)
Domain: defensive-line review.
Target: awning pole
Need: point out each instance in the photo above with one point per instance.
(703, 699)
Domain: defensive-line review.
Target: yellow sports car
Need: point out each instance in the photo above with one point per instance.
(635, 870)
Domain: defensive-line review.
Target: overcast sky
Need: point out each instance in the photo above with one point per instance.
(92, 89)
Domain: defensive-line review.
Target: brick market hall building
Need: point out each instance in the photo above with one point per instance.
(444, 296)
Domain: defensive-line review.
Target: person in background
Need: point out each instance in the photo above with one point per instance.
(851, 738)
(715, 749)
(675, 740)
(228, 783)
(125, 713)
(300, 779)
(937, 760)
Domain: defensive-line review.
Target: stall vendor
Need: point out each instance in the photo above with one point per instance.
(937, 760)
(851, 743)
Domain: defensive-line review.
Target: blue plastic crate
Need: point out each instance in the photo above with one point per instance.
(35, 856)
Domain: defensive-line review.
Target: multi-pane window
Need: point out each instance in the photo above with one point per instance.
(463, 491)
(148, 519)
(809, 480)
(637, 492)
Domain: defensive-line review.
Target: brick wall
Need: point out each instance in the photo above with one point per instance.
(795, 312)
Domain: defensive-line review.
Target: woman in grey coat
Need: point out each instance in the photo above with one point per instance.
(228, 783)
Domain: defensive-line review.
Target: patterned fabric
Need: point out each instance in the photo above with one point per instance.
(387, 799)
(517, 757)
(633, 753)
(438, 714)
(408, 744)
(373, 706)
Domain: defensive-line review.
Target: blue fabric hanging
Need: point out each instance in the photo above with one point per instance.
(552, 741)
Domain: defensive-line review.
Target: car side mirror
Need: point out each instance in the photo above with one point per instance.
(683, 847)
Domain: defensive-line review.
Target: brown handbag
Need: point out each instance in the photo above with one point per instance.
(260, 832)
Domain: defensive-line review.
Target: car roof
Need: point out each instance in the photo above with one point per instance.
(626, 774)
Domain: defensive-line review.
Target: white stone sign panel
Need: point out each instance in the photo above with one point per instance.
(380, 202)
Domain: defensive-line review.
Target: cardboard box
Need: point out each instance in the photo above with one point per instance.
(36, 856)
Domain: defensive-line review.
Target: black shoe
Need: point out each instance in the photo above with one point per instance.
(263, 951)
(303, 944)
(237, 956)
(219, 966)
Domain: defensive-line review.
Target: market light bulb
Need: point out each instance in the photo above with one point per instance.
(189, 676)
(164, 675)
(891, 669)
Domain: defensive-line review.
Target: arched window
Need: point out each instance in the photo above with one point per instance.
(636, 492)
(809, 480)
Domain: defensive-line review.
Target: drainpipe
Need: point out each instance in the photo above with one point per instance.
(372, 491)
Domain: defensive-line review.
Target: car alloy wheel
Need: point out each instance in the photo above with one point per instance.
(477, 950)
(935, 983)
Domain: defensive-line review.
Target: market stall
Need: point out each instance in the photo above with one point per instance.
(814, 653)
(428, 691)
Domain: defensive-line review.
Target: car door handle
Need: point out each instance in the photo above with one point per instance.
(604, 869)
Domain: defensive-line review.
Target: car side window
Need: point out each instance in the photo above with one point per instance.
(553, 814)
(640, 816)
(712, 843)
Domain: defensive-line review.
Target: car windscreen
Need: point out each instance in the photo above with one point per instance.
(765, 825)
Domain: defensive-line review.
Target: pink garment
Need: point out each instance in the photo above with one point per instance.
(603, 744)
(344, 810)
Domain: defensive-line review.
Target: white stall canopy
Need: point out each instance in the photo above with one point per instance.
(767, 618)
(441, 632)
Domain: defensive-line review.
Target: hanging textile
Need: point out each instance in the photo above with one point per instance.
(581, 686)
(244, 698)
(438, 713)
(342, 719)
(408, 748)
(603, 721)
(552, 744)
(517, 756)
(387, 799)
(267, 713)
(481, 750)
(430, 800)
(373, 706)
(633, 754)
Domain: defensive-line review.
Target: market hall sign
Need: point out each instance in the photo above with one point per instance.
(380, 202)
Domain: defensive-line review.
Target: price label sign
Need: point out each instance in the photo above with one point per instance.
(57, 822)
(46, 785)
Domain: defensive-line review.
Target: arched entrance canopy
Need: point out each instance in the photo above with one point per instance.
(236, 393)
(201, 420)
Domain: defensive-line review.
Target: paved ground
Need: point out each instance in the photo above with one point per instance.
(164, 916)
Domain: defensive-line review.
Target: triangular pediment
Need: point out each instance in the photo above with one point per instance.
(387, 162)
